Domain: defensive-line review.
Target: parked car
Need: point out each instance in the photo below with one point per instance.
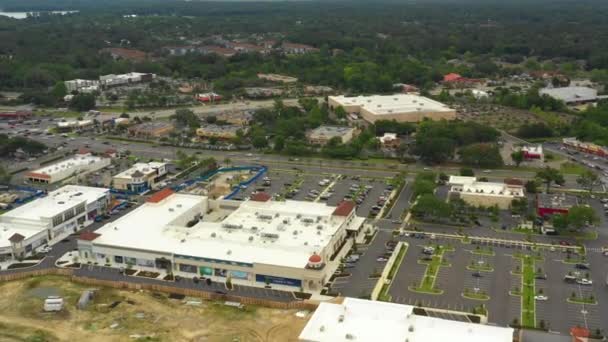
(477, 274)
(570, 279)
(541, 276)
(584, 281)
(582, 266)
(382, 259)
(541, 297)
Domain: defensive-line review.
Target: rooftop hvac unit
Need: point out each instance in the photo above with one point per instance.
(251, 239)
(295, 232)
(179, 205)
(232, 226)
(254, 228)
(229, 252)
(319, 227)
(171, 209)
(350, 336)
(265, 217)
(213, 235)
(183, 240)
(298, 216)
(270, 235)
(307, 220)
(285, 221)
(341, 318)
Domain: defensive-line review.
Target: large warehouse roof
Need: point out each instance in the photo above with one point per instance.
(393, 104)
(571, 94)
(276, 233)
(370, 321)
(75, 164)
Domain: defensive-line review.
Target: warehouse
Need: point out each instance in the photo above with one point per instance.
(258, 242)
(323, 134)
(485, 194)
(50, 219)
(77, 165)
(370, 321)
(398, 107)
(140, 177)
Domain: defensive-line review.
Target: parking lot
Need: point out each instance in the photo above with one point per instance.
(492, 274)
(370, 194)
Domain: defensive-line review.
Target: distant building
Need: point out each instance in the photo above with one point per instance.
(297, 49)
(125, 79)
(153, 129)
(181, 50)
(19, 115)
(533, 152)
(76, 165)
(239, 118)
(398, 107)
(364, 320)
(550, 204)
(79, 125)
(244, 47)
(218, 50)
(220, 131)
(127, 54)
(260, 92)
(81, 86)
(453, 79)
(572, 95)
(323, 134)
(406, 88)
(486, 194)
(586, 147)
(317, 90)
(208, 97)
(140, 177)
(49, 219)
(390, 141)
(277, 78)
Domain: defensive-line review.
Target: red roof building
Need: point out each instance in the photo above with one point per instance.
(451, 77)
(88, 236)
(261, 197)
(159, 196)
(16, 238)
(344, 208)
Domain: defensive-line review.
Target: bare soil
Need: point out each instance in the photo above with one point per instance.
(153, 318)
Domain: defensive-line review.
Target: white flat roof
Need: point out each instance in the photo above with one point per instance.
(371, 321)
(275, 233)
(74, 163)
(27, 219)
(57, 202)
(145, 168)
(470, 185)
(393, 104)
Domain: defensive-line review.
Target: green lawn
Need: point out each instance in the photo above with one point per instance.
(572, 168)
(475, 295)
(528, 303)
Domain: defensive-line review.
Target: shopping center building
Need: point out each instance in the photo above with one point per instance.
(79, 164)
(49, 219)
(259, 242)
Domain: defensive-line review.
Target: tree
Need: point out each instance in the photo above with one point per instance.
(186, 117)
(531, 186)
(481, 155)
(518, 157)
(259, 141)
(59, 90)
(430, 205)
(340, 112)
(83, 102)
(549, 175)
(581, 215)
(5, 176)
(467, 172)
(588, 180)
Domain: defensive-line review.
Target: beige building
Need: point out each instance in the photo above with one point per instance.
(398, 107)
(220, 131)
(153, 129)
(485, 194)
(79, 164)
(322, 134)
(140, 177)
(277, 78)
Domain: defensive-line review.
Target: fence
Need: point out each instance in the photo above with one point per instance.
(301, 305)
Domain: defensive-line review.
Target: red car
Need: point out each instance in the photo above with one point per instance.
(564, 243)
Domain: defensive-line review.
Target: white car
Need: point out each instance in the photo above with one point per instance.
(541, 297)
(584, 281)
(45, 249)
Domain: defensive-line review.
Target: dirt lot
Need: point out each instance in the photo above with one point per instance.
(140, 316)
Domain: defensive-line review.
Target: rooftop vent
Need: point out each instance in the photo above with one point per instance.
(171, 209)
(213, 234)
(179, 205)
(183, 240)
(341, 318)
(250, 238)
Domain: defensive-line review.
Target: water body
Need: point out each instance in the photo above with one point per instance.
(23, 15)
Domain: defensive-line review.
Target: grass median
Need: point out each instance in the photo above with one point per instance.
(528, 302)
(427, 285)
(384, 295)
